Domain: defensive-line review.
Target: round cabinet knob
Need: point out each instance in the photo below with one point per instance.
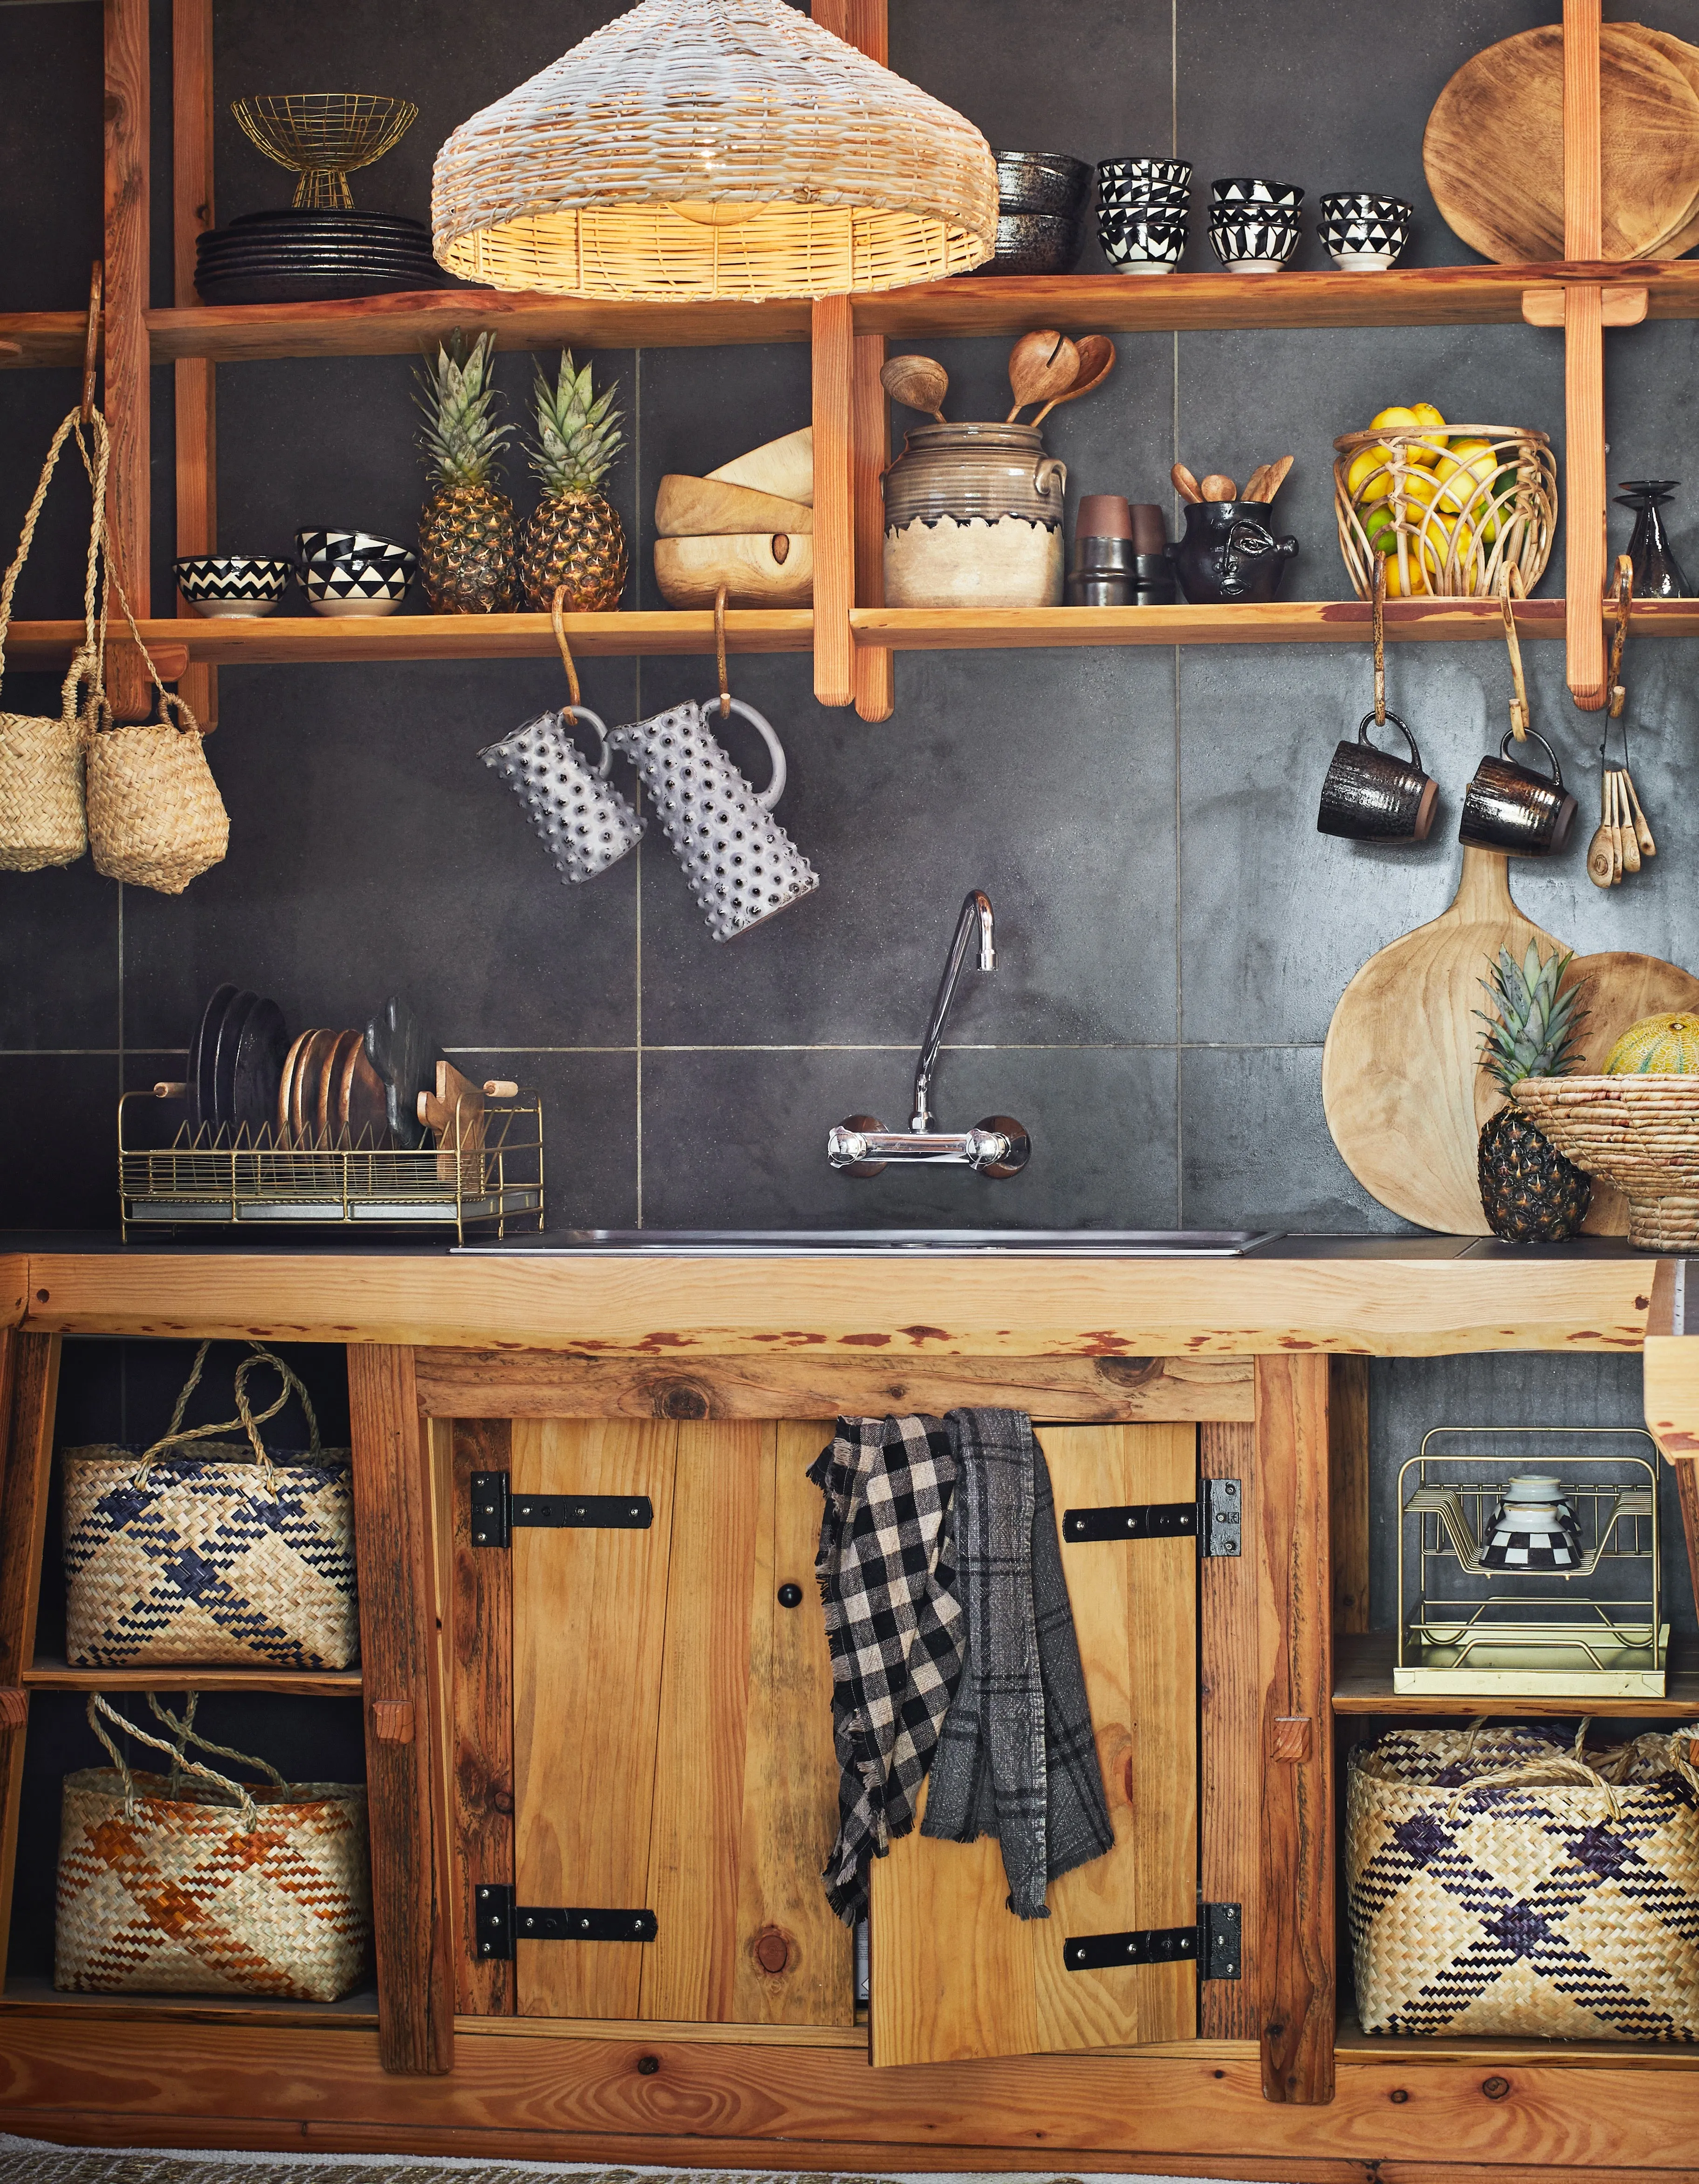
(789, 1595)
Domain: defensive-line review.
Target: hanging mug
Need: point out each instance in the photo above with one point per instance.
(1370, 795)
(741, 865)
(586, 824)
(1512, 808)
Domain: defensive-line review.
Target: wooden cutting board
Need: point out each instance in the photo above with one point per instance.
(1620, 989)
(1684, 58)
(1402, 1053)
(1493, 151)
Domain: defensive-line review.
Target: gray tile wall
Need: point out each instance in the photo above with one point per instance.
(1173, 934)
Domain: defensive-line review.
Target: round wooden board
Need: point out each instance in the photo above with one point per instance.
(1493, 151)
(1685, 59)
(1400, 1069)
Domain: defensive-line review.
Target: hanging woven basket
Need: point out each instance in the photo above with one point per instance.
(697, 148)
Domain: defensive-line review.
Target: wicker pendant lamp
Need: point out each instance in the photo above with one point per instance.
(697, 148)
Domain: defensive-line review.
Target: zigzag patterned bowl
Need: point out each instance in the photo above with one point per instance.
(220, 584)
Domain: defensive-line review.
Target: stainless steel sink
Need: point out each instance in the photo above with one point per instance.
(858, 1243)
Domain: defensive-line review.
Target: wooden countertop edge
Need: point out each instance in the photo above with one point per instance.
(680, 1307)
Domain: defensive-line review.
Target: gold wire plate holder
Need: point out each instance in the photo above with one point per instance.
(1462, 1631)
(323, 136)
(488, 1183)
(1463, 523)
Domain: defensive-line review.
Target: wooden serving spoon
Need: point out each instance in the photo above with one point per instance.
(1648, 848)
(1097, 361)
(917, 383)
(1626, 833)
(1216, 487)
(1599, 858)
(1185, 484)
(1041, 365)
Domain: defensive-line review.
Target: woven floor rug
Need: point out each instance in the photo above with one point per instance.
(31, 2161)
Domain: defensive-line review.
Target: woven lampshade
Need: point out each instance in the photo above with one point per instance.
(713, 147)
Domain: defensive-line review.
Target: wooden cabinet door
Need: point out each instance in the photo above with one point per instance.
(955, 1973)
(673, 1746)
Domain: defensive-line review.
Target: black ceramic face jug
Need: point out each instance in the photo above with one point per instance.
(1229, 552)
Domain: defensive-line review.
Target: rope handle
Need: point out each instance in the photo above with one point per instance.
(186, 1734)
(557, 615)
(1378, 595)
(250, 1422)
(170, 702)
(97, 470)
(1619, 696)
(1521, 719)
(100, 1705)
(720, 597)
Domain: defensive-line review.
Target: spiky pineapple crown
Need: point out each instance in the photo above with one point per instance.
(462, 440)
(1531, 1030)
(578, 431)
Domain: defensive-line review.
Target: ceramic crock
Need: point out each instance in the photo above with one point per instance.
(973, 518)
(1229, 552)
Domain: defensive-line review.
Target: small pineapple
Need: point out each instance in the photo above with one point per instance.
(573, 538)
(1529, 1192)
(467, 528)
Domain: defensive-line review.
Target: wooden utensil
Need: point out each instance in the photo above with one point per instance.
(312, 1048)
(453, 1111)
(327, 1091)
(1041, 364)
(1097, 361)
(1599, 860)
(1493, 151)
(1620, 989)
(784, 466)
(1401, 1066)
(708, 508)
(1627, 842)
(286, 1126)
(917, 382)
(1648, 848)
(1216, 487)
(1276, 476)
(1185, 484)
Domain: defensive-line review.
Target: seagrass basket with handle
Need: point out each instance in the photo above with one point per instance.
(1641, 1133)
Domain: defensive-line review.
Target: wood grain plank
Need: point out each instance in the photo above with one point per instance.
(51, 1676)
(411, 1915)
(1584, 493)
(875, 681)
(1687, 1489)
(29, 1395)
(862, 23)
(1230, 1730)
(1348, 1501)
(1362, 1684)
(1584, 189)
(125, 392)
(589, 1612)
(481, 1645)
(1281, 621)
(833, 351)
(191, 214)
(1104, 1391)
(1669, 1392)
(1297, 1907)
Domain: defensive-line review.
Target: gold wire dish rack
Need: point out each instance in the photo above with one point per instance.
(322, 137)
(489, 1184)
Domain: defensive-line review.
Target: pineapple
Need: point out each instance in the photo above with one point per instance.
(1529, 1192)
(467, 527)
(573, 538)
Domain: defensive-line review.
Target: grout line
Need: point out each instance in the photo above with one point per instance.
(122, 1052)
(1173, 78)
(875, 1046)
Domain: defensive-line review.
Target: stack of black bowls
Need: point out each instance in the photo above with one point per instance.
(314, 255)
(1041, 212)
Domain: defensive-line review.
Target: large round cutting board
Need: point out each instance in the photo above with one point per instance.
(1493, 151)
(1400, 1069)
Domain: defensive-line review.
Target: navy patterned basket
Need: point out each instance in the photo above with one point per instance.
(226, 1555)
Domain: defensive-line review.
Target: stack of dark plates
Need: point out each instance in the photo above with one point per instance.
(309, 256)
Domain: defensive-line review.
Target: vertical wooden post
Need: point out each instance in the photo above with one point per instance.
(1296, 1923)
(1583, 360)
(191, 214)
(834, 340)
(1230, 1729)
(393, 1533)
(481, 1714)
(29, 1390)
(1348, 1467)
(129, 489)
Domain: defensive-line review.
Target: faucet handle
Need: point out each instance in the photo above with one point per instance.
(1003, 1149)
(846, 1145)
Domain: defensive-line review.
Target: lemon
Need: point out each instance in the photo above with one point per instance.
(1469, 475)
(1394, 583)
(1427, 416)
(1364, 464)
(1417, 420)
(1416, 489)
(1395, 419)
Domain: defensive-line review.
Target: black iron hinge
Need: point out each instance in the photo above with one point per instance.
(499, 1922)
(496, 1510)
(1213, 1519)
(1213, 1944)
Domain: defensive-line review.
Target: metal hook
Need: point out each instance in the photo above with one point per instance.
(1619, 696)
(1377, 592)
(91, 344)
(1521, 719)
(557, 615)
(720, 597)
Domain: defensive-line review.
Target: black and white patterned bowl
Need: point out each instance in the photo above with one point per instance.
(355, 588)
(1133, 244)
(1364, 233)
(220, 584)
(1119, 180)
(1239, 190)
(1245, 244)
(325, 549)
(1153, 206)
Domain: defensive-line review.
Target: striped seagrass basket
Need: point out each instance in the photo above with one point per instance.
(1639, 1132)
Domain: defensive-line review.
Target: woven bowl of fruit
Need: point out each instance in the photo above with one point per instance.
(1454, 511)
(1636, 1127)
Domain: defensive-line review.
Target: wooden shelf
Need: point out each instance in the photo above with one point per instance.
(1352, 2045)
(1362, 1683)
(268, 639)
(356, 2012)
(46, 1675)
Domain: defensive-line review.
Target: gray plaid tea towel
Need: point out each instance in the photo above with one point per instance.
(1017, 1758)
(894, 1626)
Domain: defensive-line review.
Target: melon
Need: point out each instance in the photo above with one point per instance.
(1657, 1046)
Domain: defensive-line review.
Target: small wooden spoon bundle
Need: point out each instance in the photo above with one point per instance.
(1266, 481)
(1622, 839)
(1042, 365)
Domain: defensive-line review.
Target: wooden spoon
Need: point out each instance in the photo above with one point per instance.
(917, 382)
(1616, 833)
(1599, 858)
(1274, 476)
(1216, 487)
(1041, 365)
(1097, 361)
(1184, 484)
(1648, 848)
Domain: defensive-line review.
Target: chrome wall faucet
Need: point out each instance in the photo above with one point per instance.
(996, 1147)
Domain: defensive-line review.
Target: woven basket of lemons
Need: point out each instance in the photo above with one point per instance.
(1456, 511)
(1637, 1127)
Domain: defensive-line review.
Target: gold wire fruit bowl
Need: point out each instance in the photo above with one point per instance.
(323, 136)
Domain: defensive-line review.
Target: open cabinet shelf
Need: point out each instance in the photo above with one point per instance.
(354, 2013)
(1362, 1683)
(50, 1675)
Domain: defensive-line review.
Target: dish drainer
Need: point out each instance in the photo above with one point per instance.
(488, 1184)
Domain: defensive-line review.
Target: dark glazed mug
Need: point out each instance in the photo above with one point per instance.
(1513, 809)
(1369, 795)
